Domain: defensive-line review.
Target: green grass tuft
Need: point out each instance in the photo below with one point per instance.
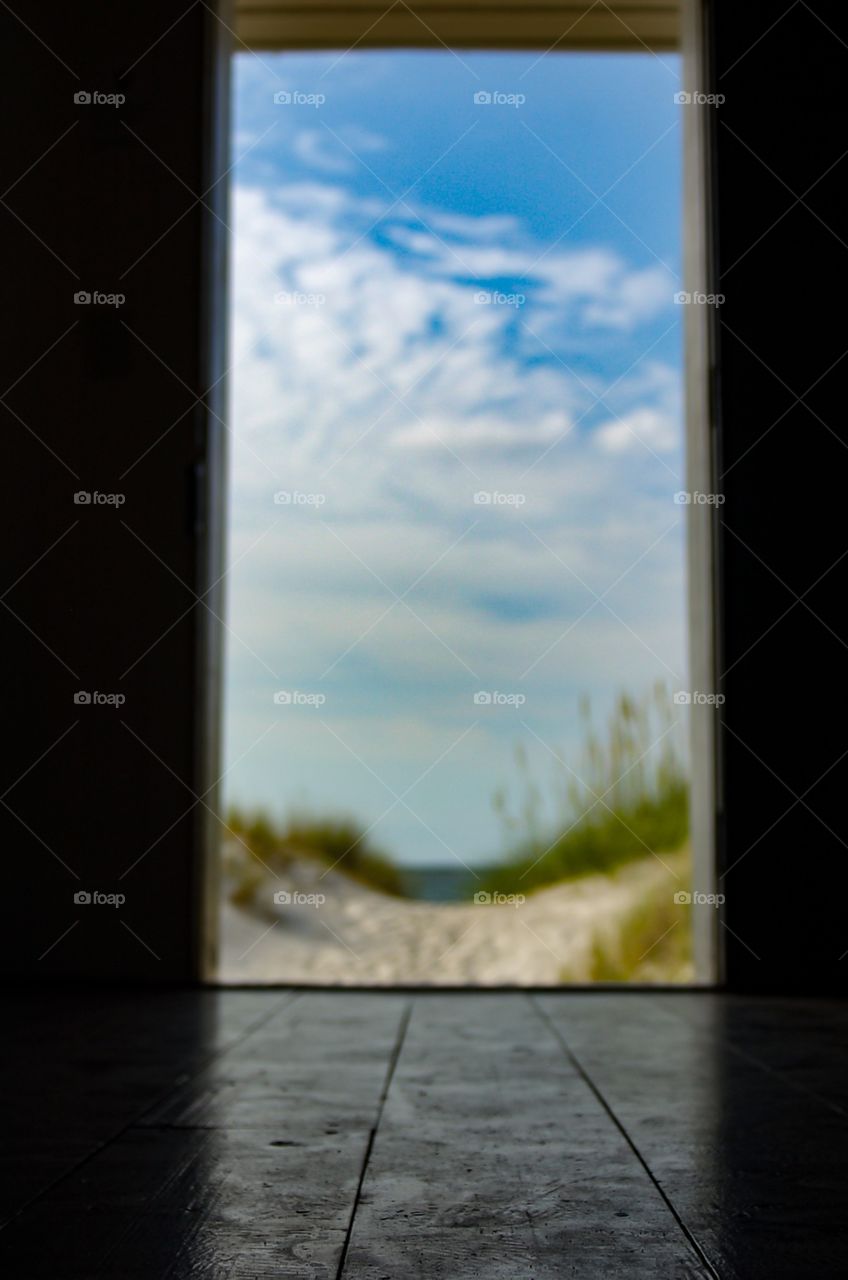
(627, 797)
(653, 943)
(338, 843)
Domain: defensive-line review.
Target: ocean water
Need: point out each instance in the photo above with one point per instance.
(439, 884)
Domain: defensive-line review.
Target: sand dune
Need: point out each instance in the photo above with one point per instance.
(334, 931)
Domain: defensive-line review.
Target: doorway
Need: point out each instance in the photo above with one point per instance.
(459, 700)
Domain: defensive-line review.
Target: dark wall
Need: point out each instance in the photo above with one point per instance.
(782, 264)
(102, 398)
(101, 597)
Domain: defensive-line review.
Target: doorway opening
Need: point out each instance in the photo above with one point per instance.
(459, 700)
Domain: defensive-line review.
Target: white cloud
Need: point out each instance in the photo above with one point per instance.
(335, 152)
(485, 431)
(396, 398)
(643, 428)
(320, 150)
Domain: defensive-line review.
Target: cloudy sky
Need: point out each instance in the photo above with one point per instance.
(455, 426)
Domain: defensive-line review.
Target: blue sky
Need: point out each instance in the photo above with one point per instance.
(436, 298)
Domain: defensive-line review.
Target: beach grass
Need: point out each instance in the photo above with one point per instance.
(257, 843)
(652, 943)
(626, 797)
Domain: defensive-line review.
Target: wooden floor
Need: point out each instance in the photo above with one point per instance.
(237, 1135)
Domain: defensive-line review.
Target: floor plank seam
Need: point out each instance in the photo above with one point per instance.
(369, 1147)
(587, 1079)
(290, 999)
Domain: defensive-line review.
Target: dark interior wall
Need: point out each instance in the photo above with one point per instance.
(782, 264)
(103, 398)
(99, 597)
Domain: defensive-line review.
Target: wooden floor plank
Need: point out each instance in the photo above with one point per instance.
(321, 1058)
(753, 1166)
(249, 1170)
(494, 1159)
(229, 1136)
(78, 1069)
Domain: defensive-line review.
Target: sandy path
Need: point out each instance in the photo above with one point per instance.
(356, 936)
